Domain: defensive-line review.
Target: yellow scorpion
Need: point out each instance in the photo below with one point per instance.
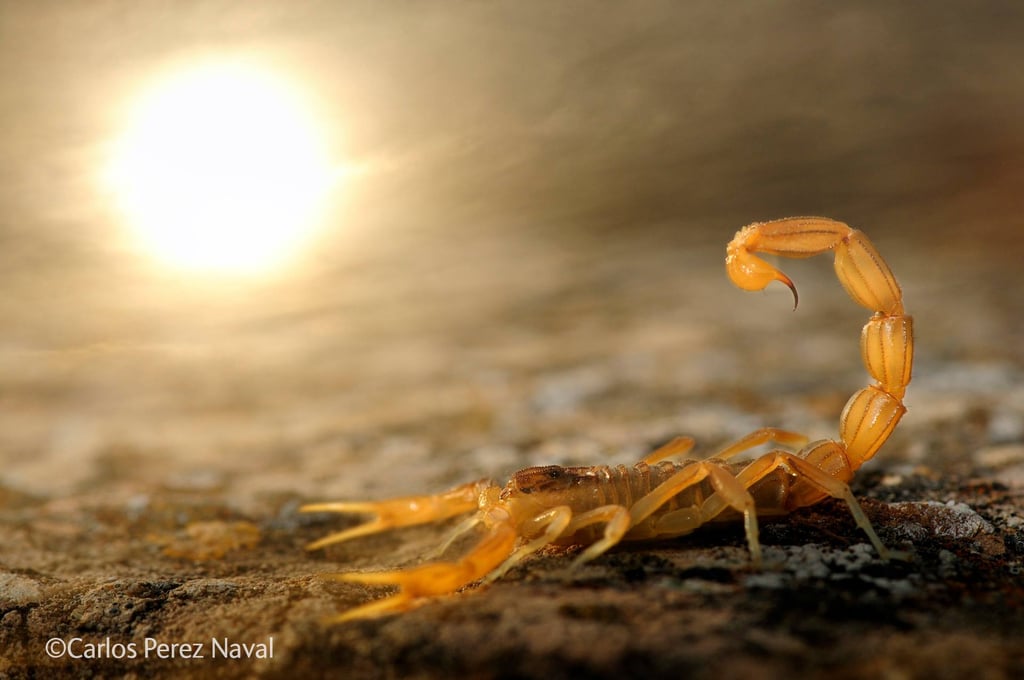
(660, 498)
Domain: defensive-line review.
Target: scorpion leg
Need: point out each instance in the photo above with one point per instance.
(765, 435)
(616, 521)
(553, 523)
(817, 478)
(401, 512)
(685, 520)
(677, 447)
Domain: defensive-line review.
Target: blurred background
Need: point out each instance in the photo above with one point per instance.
(511, 247)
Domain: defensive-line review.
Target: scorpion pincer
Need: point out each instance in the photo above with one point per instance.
(663, 495)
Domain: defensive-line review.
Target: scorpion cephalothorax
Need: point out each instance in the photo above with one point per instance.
(659, 497)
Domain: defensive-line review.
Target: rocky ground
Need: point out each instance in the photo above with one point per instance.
(151, 486)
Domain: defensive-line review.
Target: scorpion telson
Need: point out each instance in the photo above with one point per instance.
(665, 495)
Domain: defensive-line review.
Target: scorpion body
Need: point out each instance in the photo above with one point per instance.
(660, 496)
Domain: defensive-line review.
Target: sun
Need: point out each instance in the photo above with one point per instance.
(221, 170)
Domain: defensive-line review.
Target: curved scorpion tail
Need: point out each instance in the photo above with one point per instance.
(887, 341)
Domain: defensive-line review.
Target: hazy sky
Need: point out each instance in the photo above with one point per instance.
(589, 115)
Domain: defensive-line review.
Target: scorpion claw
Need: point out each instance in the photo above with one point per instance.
(400, 512)
(432, 579)
(408, 592)
(393, 604)
(340, 536)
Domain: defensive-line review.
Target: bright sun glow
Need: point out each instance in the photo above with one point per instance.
(221, 170)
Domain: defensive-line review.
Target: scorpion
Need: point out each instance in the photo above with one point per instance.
(664, 496)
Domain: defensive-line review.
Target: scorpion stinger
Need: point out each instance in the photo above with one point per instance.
(660, 497)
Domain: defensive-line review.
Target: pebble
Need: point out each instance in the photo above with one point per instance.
(18, 590)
